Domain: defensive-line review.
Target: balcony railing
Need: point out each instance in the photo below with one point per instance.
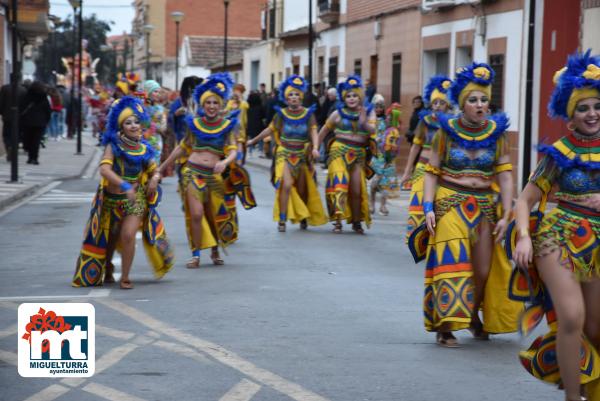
(329, 11)
(428, 5)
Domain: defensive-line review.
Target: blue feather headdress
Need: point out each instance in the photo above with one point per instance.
(480, 74)
(294, 81)
(441, 83)
(220, 84)
(118, 107)
(582, 71)
(353, 82)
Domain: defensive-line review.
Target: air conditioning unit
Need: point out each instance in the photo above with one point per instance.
(377, 29)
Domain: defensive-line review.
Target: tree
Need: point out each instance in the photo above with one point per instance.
(59, 44)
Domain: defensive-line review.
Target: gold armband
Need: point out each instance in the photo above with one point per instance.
(432, 170)
(106, 161)
(417, 141)
(330, 125)
(314, 126)
(229, 148)
(500, 168)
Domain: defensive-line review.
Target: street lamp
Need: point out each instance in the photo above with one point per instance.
(226, 3)
(147, 29)
(75, 4)
(177, 16)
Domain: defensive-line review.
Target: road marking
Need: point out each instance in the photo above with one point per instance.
(8, 357)
(109, 393)
(115, 333)
(49, 393)
(37, 193)
(243, 391)
(221, 354)
(94, 293)
(183, 350)
(9, 331)
(114, 356)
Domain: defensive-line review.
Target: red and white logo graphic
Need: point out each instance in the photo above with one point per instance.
(56, 340)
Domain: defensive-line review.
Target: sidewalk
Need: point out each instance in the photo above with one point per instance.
(57, 162)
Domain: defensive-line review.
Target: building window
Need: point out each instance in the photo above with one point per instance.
(263, 25)
(396, 77)
(358, 67)
(464, 56)
(497, 63)
(296, 69)
(272, 13)
(320, 68)
(333, 71)
(442, 62)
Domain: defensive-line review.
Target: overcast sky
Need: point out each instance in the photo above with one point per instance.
(121, 12)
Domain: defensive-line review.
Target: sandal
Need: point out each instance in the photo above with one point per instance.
(109, 278)
(357, 228)
(337, 227)
(384, 211)
(303, 224)
(281, 227)
(446, 339)
(476, 329)
(193, 263)
(125, 284)
(216, 259)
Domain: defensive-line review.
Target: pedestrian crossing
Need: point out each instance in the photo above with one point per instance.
(57, 196)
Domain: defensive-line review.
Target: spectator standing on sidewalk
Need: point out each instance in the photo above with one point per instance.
(418, 105)
(5, 104)
(54, 128)
(34, 117)
(256, 115)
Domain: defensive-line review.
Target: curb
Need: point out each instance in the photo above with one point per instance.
(30, 190)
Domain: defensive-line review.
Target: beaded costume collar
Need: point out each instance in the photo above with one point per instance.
(301, 116)
(131, 151)
(430, 119)
(352, 115)
(205, 130)
(474, 138)
(575, 150)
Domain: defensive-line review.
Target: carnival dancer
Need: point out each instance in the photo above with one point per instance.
(383, 163)
(436, 99)
(564, 244)
(465, 264)
(210, 146)
(158, 119)
(353, 124)
(294, 130)
(127, 199)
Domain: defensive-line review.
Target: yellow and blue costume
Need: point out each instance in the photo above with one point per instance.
(437, 88)
(449, 289)
(346, 155)
(573, 165)
(219, 225)
(291, 131)
(133, 162)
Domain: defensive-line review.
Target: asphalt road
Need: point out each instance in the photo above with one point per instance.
(305, 315)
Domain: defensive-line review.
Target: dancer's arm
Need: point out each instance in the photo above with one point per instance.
(327, 127)
(179, 151)
(432, 172)
(265, 133)
(523, 254)
(314, 137)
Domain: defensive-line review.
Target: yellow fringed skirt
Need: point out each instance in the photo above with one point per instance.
(449, 288)
(297, 210)
(218, 222)
(343, 157)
